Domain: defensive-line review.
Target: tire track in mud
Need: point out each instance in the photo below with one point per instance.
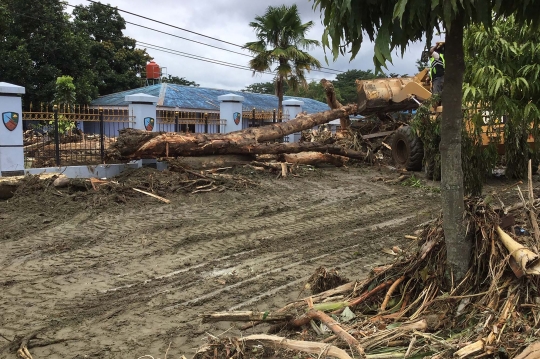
(258, 245)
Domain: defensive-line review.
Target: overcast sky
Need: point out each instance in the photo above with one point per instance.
(228, 20)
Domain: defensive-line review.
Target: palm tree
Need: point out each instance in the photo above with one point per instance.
(281, 41)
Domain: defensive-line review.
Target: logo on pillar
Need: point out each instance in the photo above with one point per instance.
(11, 120)
(237, 116)
(149, 123)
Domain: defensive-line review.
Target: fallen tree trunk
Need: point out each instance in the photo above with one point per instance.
(133, 144)
(199, 149)
(210, 162)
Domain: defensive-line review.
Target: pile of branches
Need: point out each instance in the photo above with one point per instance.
(413, 308)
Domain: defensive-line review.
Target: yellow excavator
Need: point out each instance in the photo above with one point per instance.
(403, 94)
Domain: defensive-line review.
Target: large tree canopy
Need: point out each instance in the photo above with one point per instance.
(394, 24)
(39, 42)
(115, 61)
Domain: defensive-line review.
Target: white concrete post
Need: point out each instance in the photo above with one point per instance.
(293, 108)
(143, 107)
(11, 130)
(230, 109)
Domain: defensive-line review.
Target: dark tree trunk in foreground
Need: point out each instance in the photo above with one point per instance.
(133, 144)
(452, 192)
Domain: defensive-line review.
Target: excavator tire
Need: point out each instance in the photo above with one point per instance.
(407, 149)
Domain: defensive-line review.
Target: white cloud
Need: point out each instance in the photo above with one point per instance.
(228, 20)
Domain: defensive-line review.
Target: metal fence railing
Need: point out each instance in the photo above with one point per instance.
(180, 121)
(257, 118)
(70, 135)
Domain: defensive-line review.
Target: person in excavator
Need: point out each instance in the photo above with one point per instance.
(437, 64)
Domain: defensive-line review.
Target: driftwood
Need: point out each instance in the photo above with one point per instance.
(335, 327)
(320, 349)
(142, 144)
(245, 316)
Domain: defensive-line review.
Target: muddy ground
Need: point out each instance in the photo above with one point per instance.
(123, 276)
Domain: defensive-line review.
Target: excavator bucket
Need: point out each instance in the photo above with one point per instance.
(392, 94)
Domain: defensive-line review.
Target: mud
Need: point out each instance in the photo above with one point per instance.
(126, 278)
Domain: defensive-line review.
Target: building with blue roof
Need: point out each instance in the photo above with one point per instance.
(200, 99)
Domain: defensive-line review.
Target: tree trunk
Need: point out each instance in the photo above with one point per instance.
(333, 102)
(154, 148)
(142, 144)
(279, 89)
(452, 192)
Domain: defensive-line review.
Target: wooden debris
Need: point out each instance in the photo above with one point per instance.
(336, 328)
(531, 352)
(61, 182)
(246, 316)
(152, 195)
(526, 258)
(320, 349)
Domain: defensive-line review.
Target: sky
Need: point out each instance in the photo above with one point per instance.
(228, 20)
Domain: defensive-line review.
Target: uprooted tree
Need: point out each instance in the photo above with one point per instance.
(134, 144)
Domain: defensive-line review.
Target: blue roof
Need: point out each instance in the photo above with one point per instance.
(200, 98)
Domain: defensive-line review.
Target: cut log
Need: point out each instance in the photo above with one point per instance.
(143, 144)
(211, 162)
(315, 158)
(333, 102)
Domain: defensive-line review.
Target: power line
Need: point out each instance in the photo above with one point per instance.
(185, 38)
(187, 55)
(191, 31)
(195, 57)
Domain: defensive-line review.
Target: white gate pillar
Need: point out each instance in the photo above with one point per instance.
(11, 130)
(143, 107)
(230, 109)
(293, 108)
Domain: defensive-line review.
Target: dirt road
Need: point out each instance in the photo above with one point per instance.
(127, 280)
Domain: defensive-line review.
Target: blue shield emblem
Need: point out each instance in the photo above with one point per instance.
(237, 116)
(11, 120)
(149, 123)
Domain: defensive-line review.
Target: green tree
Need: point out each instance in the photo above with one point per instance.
(313, 90)
(502, 69)
(65, 91)
(65, 96)
(36, 45)
(281, 43)
(114, 60)
(393, 24)
(346, 85)
(179, 81)
(261, 87)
